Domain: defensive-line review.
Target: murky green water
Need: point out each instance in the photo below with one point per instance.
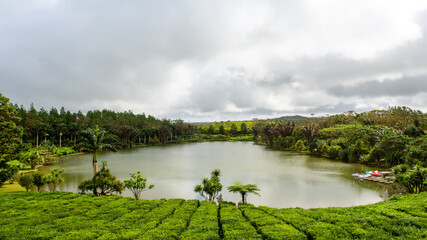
(285, 179)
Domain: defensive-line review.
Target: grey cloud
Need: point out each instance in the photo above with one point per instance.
(400, 87)
(79, 54)
(332, 108)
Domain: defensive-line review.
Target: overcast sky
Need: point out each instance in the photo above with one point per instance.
(215, 60)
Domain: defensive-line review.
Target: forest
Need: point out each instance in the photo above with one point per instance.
(379, 137)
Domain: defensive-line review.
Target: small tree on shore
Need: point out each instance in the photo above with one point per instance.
(26, 181)
(137, 184)
(103, 183)
(54, 179)
(243, 189)
(39, 180)
(210, 187)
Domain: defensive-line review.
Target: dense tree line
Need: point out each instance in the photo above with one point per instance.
(125, 128)
(227, 128)
(382, 137)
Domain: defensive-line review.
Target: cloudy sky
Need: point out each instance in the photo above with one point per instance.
(216, 60)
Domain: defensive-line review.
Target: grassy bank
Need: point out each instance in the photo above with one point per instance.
(8, 188)
(74, 216)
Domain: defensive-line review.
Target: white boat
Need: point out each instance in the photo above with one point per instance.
(360, 175)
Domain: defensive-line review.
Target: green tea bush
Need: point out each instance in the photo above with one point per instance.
(269, 226)
(59, 215)
(234, 224)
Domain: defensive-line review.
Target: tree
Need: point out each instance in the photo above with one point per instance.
(62, 128)
(243, 128)
(412, 179)
(309, 130)
(38, 180)
(211, 129)
(103, 183)
(243, 189)
(40, 127)
(34, 159)
(233, 129)
(94, 143)
(73, 129)
(210, 188)
(221, 130)
(137, 184)
(54, 178)
(10, 136)
(26, 182)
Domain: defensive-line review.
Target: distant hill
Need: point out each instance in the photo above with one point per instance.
(283, 118)
(289, 118)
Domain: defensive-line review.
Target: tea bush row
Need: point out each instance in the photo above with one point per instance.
(74, 216)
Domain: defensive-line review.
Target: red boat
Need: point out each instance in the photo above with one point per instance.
(376, 173)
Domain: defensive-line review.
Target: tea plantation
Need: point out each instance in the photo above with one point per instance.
(74, 216)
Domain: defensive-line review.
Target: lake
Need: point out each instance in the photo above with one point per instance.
(286, 179)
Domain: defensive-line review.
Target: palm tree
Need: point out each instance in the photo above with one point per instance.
(94, 142)
(243, 189)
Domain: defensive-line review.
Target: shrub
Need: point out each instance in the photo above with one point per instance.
(103, 183)
(137, 184)
(26, 182)
(210, 187)
(54, 178)
(412, 179)
(38, 180)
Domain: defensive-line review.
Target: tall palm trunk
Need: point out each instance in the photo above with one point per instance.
(95, 163)
(95, 169)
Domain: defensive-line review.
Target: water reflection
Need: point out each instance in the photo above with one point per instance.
(286, 179)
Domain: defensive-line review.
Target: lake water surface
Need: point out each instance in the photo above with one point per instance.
(286, 179)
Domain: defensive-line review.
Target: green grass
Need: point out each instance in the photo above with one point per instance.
(63, 215)
(10, 188)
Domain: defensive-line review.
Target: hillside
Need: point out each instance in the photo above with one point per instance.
(64, 215)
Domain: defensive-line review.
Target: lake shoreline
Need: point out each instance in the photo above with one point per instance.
(267, 168)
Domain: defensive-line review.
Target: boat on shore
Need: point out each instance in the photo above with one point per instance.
(375, 176)
(375, 173)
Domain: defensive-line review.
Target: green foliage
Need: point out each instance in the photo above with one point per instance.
(94, 142)
(414, 180)
(34, 159)
(233, 129)
(210, 187)
(385, 138)
(54, 179)
(137, 184)
(221, 130)
(103, 183)
(26, 181)
(234, 224)
(204, 223)
(213, 128)
(10, 135)
(62, 215)
(269, 226)
(243, 128)
(238, 187)
(39, 180)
